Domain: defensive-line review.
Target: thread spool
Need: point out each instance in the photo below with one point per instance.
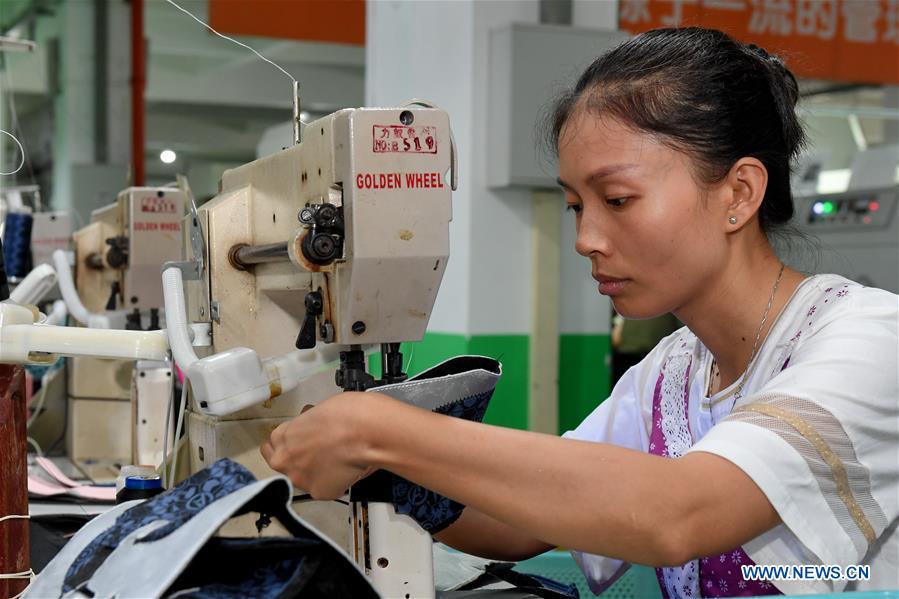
(17, 244)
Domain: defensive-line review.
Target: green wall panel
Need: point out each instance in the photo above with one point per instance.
(583, 373)
(509, 406)
(584, 376)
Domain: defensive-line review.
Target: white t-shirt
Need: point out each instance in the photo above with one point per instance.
(817, 429)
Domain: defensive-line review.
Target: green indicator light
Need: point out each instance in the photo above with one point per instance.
(828, 207)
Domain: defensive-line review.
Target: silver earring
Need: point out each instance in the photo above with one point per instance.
(732, 220)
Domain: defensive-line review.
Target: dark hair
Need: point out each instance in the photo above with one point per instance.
(705, 94)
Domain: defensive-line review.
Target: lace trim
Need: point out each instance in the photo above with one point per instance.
(672, 405)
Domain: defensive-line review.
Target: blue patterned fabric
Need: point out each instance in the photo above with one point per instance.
(433, 511)
(177, 506)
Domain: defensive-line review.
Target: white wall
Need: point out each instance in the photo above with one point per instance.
(443, 56)
(501, 260)
(598, 14)
(424, 50)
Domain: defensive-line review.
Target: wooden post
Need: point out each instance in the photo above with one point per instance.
(13, 478)
(543, 399)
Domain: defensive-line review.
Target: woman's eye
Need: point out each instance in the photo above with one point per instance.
(616, 202)
(576, 208)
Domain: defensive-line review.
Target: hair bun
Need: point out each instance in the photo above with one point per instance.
(759, 51)
(771, 59)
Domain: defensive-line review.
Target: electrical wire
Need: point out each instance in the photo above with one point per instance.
(16, 125)
(21, 150)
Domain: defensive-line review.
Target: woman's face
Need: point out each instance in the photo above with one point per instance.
(653, 235)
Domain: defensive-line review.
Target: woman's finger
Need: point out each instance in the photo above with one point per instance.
(266, 450)
(278, 434)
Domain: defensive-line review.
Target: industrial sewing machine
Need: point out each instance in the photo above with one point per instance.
(117, 408)
(306, 257)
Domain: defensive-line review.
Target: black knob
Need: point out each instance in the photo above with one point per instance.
(327, 214)
(324, 247)
(117, 255)
(358, 327)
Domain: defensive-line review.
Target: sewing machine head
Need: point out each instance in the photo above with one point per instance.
(340, 240)
(118, 255)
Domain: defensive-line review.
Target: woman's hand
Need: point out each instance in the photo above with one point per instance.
(325, 450)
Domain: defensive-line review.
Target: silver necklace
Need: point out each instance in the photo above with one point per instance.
(738, 394)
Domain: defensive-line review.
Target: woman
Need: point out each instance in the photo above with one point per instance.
(765, 431)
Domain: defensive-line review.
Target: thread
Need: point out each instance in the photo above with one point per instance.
(243, 45)
(17, 244)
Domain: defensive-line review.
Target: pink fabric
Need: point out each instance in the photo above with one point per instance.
(44, 488)
(51, 469)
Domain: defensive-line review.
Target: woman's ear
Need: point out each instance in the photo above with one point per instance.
(746, 181)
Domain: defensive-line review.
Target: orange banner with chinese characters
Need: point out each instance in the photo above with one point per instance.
(338, 21)
(841, 40)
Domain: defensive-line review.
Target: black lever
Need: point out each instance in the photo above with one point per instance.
(110, 303)
(314, 306)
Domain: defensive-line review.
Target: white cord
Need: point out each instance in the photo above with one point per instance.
(15, 517)
(178, 432)
(37, 448)
(28, 574)
(20, 595)
(21, 150)
(230, 39)
(45, 382)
